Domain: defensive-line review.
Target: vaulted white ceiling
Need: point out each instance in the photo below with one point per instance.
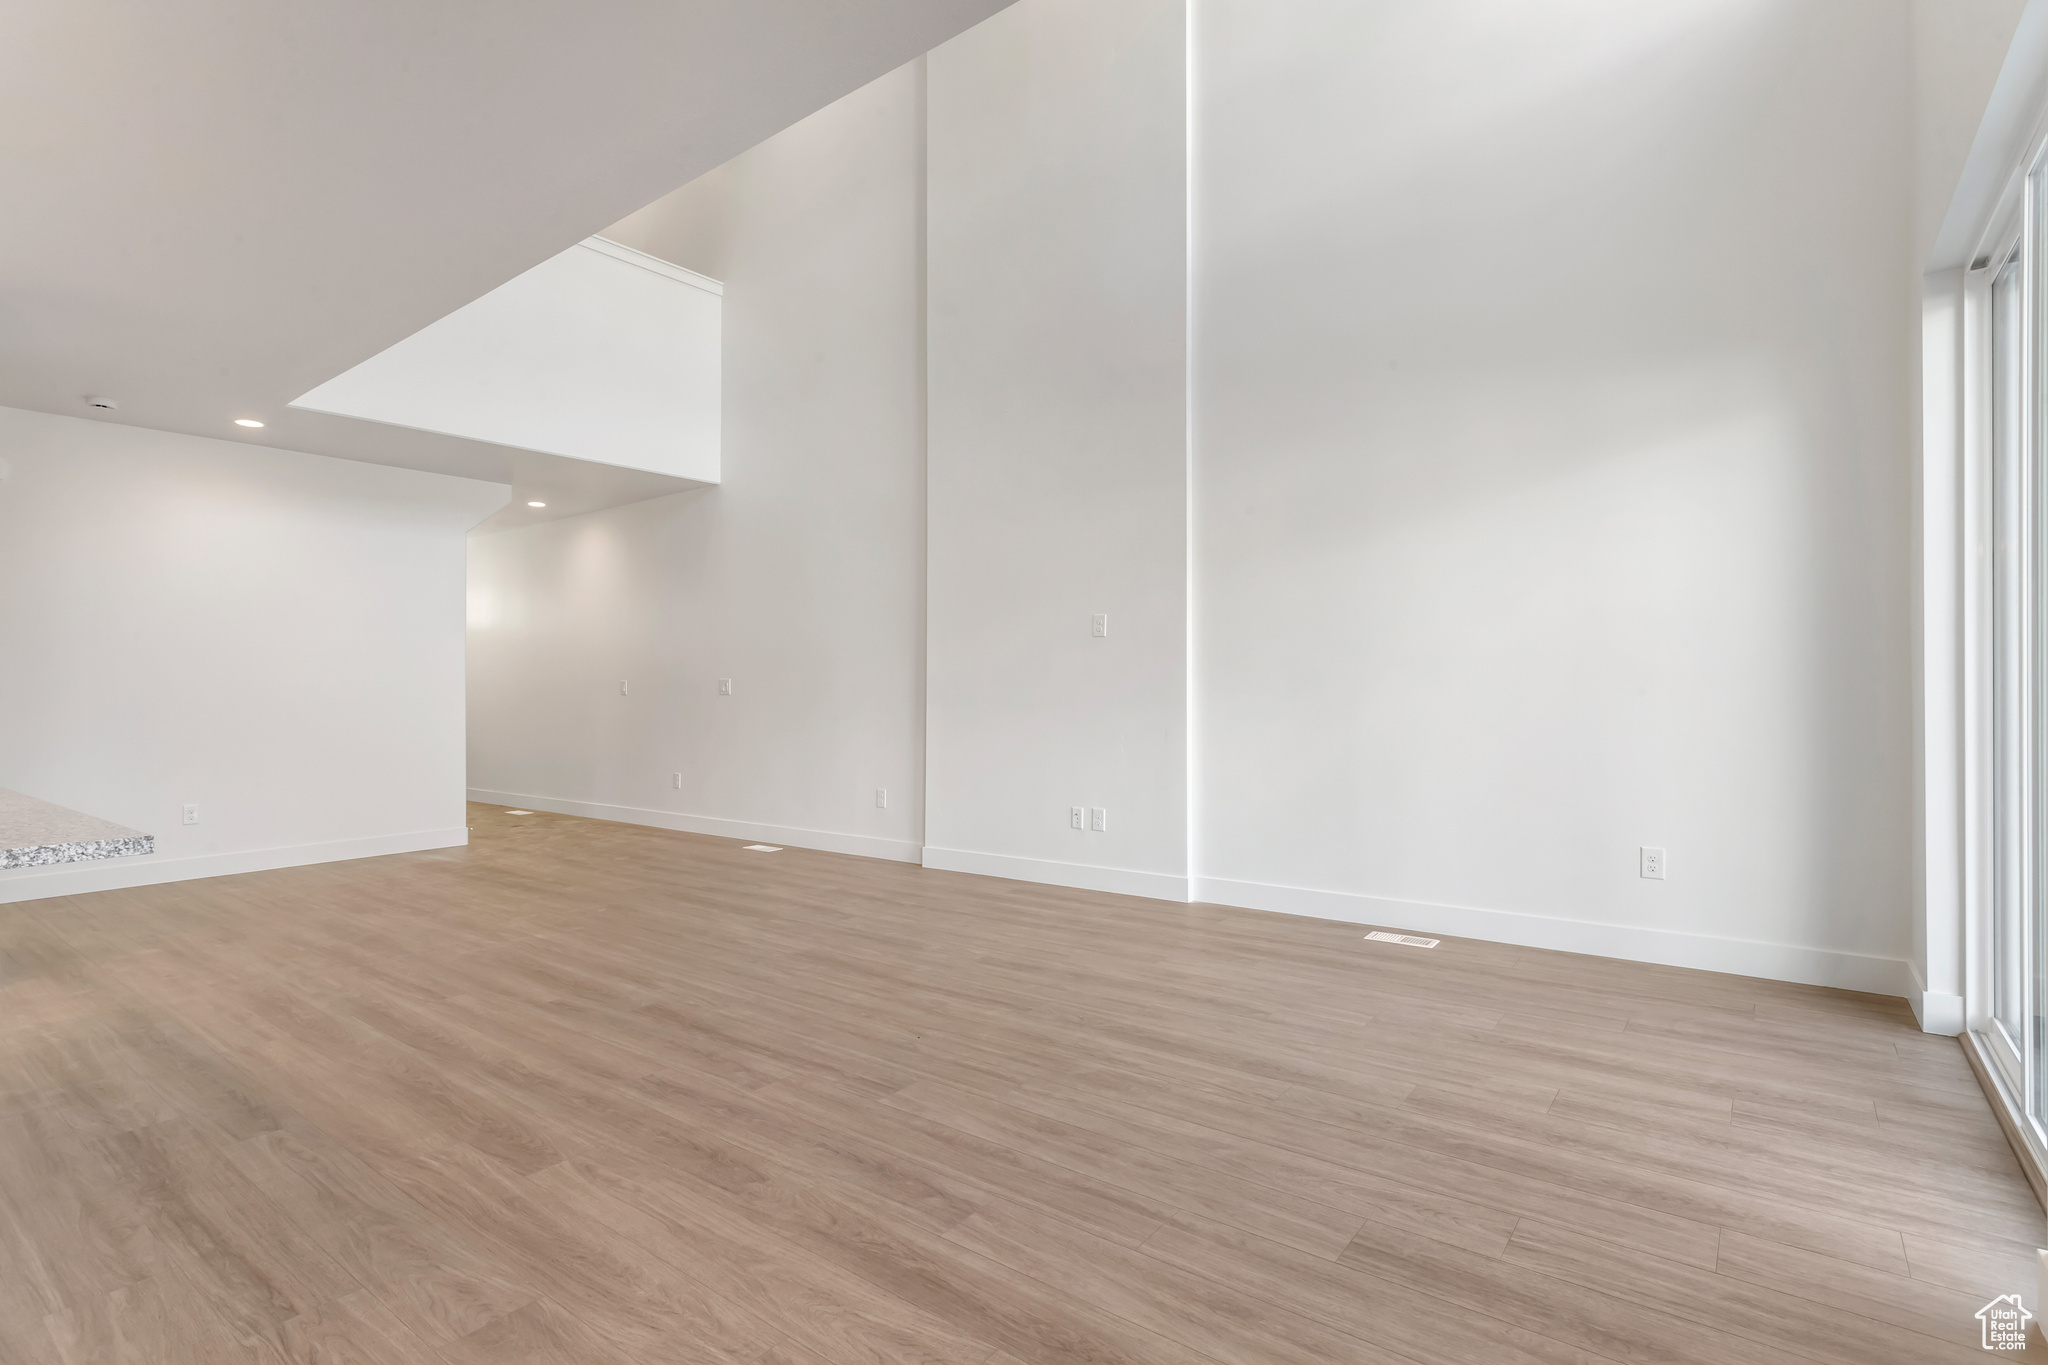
(212, 207)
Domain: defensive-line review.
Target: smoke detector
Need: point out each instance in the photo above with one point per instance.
(103, 404)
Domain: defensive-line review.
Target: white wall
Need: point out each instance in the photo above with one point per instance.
(600, 353)
(800, 577)
(1058, 453)
(1957, 49)
(274, 636)
(1551, 377)
(1552, 383)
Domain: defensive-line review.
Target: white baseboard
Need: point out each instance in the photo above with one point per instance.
(1671, 948)
(1122, 881)
(827, 841)
(1937, 1011)
(76, 879)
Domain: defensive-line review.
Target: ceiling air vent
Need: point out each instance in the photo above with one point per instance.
(1407, 940)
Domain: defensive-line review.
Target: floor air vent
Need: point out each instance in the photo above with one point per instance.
(1408, 939)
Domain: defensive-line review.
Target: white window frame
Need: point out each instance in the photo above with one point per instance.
(2015, 1085)
(1980, 628)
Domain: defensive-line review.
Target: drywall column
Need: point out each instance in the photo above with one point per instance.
(1057, 341)
(1937, 957)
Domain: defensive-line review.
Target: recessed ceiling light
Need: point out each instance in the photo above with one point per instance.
(536, 504)
(247, 422)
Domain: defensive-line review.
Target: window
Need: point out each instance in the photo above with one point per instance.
(2009, 914)
(2009, 886)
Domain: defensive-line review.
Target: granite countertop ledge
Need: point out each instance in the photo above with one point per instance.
(36, 833)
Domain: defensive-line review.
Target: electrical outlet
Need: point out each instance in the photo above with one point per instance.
(1098, 625)
(1652, 862)
(1078, 817)
(676, 780)
(1099, 820)
(192, 814)
(725, 687)
(622, 687)
(882, 797)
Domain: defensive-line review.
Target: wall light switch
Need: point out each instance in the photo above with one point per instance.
(192, 814)
(882, 797)
(725, 687)
(1078, 817)
(1098, 625)
(1100, 820)
(1652, 863)
(622, 687)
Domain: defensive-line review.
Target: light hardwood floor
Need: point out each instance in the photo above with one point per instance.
(589, 1092)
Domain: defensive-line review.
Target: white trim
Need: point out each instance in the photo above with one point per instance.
(1939, 1012)
(1947, 865)
(1771, 961)
(1629, 942)
(669, 269)
(827, 841)
(77, 879)
(1120, 881)
(1961, 463)
(1191, 576)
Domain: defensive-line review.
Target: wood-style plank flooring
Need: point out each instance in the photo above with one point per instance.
(587, 1092)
